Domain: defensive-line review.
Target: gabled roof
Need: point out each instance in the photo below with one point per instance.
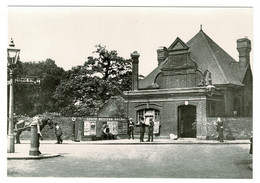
(178, 44)
(208, 56)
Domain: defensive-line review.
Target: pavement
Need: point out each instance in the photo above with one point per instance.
(24, 154)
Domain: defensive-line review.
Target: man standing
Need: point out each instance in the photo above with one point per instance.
(150, 130)
(38, 122)
(142, 129)
(58, 133)
(131, 128)
(220, 129)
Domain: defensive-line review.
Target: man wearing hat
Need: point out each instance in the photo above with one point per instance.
(150, 130)
(131, 128)
(220, 128)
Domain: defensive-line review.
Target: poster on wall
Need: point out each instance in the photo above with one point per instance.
(93, 125)
(156, 127)
(113, 127)
(89, 128)
(124, 129)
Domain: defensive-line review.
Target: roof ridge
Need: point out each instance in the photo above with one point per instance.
(205, 36)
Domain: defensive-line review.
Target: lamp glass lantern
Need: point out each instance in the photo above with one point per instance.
(12, 54)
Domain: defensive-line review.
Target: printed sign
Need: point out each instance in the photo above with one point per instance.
(89, 128)
(156, 127)
(113, 127)
(93, 126)
(125, 128)
(28, 80)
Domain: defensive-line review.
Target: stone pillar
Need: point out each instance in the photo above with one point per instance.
(135, 80)
(34, 148)
(244, 48)
(202, 128)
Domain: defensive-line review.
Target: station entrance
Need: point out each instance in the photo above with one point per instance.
(186, 119)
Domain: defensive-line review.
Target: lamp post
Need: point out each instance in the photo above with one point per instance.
(12, 58)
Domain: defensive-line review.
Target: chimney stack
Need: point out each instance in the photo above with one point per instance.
(162, 54)
(244, 48)
(135, 57)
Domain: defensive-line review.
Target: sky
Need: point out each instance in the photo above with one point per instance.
(68, 35)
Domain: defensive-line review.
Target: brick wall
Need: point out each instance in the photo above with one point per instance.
(48, 134)
(234, 128)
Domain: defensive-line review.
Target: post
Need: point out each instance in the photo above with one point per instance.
(10, 142)
(34, 147)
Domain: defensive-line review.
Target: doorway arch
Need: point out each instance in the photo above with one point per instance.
(186, 117)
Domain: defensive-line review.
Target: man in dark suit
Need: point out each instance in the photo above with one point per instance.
(142, 129)
(220, 129)
(131, 128)
(150, 130)
(58, 133)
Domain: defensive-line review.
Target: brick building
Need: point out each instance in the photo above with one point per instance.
(193, 81)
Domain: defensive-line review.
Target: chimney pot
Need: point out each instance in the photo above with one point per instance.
(244, 48)
(135, 80)
(162, 54)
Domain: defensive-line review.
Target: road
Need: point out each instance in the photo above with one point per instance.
(138, 161)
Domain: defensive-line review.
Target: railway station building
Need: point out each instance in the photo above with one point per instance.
(193, 82)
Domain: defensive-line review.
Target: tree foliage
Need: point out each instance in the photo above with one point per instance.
(33, 99)
(85, 88)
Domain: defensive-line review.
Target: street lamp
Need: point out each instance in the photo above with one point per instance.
(12, 58)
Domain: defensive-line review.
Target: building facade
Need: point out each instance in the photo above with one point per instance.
(192, 82)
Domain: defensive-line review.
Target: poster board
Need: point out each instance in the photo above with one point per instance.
(117, 126)
(156, 128)
(89, 128)
(113, 127)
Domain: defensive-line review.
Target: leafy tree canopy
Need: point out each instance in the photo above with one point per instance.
(85, 88)
(33, 99)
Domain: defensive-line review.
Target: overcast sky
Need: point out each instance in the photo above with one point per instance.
(68, 34)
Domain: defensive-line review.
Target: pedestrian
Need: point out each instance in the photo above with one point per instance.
(105, 132)
(142, 129)
(220, 128)
(58, 133)
(131, 128)
(38, 122)
(108, 134)
(150, 130)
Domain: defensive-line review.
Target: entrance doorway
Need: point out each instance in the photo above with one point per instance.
(186, 118)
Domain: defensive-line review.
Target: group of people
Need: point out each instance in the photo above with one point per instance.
(58, 132)
(142, 129)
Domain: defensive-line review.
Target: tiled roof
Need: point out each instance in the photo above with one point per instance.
(208, 56)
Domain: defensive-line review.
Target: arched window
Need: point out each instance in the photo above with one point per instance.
(147, 114)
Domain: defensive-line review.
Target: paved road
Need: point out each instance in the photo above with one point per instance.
(141, 161)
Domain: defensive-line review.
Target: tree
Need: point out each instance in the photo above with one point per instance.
(37, 99)
(111, 67)
(86, 88)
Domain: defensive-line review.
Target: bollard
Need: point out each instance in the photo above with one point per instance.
(34, 148)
